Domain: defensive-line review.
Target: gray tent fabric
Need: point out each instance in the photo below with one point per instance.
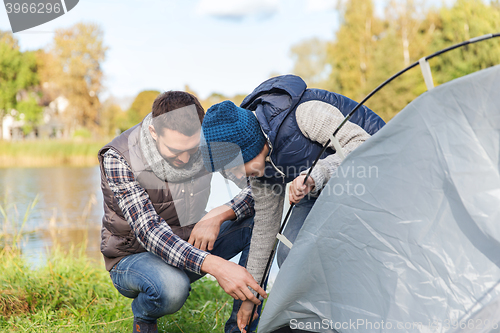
(406, 236)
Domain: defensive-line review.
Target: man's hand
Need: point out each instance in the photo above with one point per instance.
(233, 278)
(205, 232)
(298, 190)
(244, 315)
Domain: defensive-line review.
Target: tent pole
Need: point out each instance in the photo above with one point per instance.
(271, 257)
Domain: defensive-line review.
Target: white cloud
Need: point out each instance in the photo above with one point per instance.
(237, 9)
(320, 5)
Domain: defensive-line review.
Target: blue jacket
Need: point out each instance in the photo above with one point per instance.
(275, 102)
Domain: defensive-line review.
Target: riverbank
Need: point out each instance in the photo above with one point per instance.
(74, 294)
(47, 153)
(68, 291)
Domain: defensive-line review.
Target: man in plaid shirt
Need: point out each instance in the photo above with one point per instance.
(156, 236)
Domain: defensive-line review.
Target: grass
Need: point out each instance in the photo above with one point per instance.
(49, 153)
(11, 228)
(73, 293)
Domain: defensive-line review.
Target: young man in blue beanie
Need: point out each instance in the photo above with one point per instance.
(156, 237)
(273, 138)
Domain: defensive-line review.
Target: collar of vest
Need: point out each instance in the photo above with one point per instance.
(290, 84)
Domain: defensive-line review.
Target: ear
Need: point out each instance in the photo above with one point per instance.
(265, 150)
(153, 132)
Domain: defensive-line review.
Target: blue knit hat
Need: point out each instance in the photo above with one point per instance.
(229, 132)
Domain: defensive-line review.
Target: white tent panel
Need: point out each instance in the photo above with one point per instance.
(408, 231)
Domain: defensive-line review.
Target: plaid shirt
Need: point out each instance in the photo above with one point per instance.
(152, 232)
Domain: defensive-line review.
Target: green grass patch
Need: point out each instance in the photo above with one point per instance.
(49, 153)
(71, 293)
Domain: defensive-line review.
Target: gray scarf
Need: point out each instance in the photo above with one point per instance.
(159, 165)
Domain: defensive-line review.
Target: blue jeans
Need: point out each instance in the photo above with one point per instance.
(294, 224)
(159, 289)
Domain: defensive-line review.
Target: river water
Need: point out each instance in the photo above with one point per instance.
(68, 209)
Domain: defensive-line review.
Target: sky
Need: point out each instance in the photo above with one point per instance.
(223, 46)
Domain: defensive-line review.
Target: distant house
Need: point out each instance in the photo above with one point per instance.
(12, 128)
(52, 124)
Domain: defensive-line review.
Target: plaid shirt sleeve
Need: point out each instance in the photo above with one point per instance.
(243, 204)
(152, 232)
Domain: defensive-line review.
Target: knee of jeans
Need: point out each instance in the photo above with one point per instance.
(173, 294)
(248, 222)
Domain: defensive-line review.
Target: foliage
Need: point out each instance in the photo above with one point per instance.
(18, 72)
(32, 113)
(74, 63)
(310, 58)
(466, 19)
(405, 35)
(351, 55)
(143, 102)
(215, 98)
(368, 50)
(112, 118)
(141, 106)
(82, 132)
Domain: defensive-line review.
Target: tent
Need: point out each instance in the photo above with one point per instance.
(406, 236)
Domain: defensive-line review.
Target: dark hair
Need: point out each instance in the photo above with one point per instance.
(186, 123)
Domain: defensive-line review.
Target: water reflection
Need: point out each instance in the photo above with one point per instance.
(68, 212)
(69, 208)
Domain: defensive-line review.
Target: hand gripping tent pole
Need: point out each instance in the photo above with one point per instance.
(426, 72)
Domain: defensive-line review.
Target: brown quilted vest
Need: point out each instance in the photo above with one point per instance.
(191, 196)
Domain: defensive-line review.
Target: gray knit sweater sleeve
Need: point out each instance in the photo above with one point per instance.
(317, 121)
(268, 211)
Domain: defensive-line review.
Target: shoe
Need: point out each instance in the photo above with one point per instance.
(142, 327)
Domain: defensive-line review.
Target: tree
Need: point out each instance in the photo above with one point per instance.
(112, 118)
(214, 98)
(368, 50)
(141, 106)
(404, 21)
(466, 19)
(310, 62)
(78, 53)
(30, 112)
(351, 55)
(18, 72)
(403, 41)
